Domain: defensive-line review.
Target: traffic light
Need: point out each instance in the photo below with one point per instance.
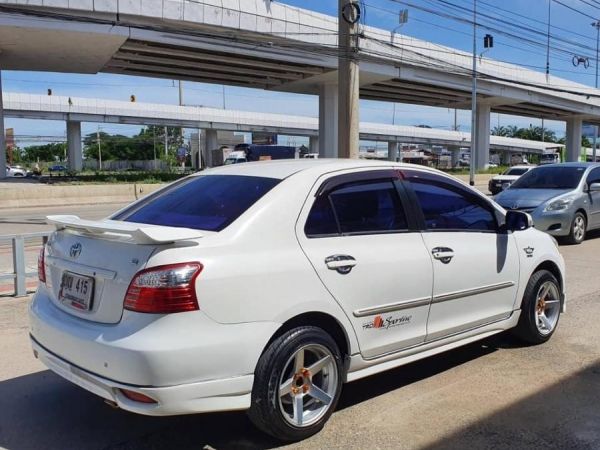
(49, 91)
(132, 98)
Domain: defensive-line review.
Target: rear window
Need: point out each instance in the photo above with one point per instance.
(515, 171)
(210, 202)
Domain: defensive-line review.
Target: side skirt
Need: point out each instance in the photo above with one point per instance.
(360, 367)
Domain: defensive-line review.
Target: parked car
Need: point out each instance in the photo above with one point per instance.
(57, 168)
(15, 171)
(563, 199)
(500, 182)
(266, 286)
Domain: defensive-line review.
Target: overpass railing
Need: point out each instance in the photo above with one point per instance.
(16, 244)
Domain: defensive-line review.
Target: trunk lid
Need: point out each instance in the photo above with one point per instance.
(89, 264)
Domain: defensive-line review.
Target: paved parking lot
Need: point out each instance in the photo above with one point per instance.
(492, 394)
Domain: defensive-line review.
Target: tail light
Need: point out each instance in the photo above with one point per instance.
(41, 266)
(164, 289)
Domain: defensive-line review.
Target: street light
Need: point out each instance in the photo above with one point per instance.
(473, 99)
(597, 26)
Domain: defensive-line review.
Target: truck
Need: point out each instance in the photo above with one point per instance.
(253, 152)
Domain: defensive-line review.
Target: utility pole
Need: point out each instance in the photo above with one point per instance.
(455, 120)
(473, 100)
(348, 79)
(166, 142)
(180, 93)
(596, 25)
(548, 43)
(99, 149)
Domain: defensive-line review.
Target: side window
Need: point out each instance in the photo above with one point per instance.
(362, 207)
(451, 207)
(594, 176)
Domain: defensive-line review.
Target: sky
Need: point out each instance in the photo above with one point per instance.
(519, 39)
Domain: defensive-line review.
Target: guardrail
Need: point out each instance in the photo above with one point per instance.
(20, 273)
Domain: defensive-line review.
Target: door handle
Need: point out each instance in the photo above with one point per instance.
(444, 254)
(341, 263)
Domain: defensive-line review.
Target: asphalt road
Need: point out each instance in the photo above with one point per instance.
(495, 394)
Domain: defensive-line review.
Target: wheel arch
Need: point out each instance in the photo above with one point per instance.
(325, 321)
(553, 268)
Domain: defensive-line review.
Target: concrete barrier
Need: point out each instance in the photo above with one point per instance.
(21, 195)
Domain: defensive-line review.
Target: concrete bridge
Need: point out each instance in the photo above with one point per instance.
(74, 110)
(260, 44)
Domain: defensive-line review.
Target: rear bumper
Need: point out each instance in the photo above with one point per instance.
(185, 361)
(225, 394)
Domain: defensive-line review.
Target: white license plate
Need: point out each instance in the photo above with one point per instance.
(76, 290)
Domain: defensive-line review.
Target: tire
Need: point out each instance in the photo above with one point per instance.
(578, 229)
(532, 328)
(280, 369)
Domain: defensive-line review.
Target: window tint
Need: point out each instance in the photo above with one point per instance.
(449, 207)
(321, 220)
(594, 176)
(359, 207)
(516, 171)
(551, 177)
(208, 202)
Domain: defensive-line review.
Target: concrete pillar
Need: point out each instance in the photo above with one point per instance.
(328, 121)
(212, 143)
(2, 140)
(455, 151)
(573, 139)
(482, 144)
(393, 151)
(505, 158)
(74, 151)
(313, 144)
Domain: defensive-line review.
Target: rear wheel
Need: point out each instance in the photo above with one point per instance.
(540, 309)
(578, 228)
(297, 384)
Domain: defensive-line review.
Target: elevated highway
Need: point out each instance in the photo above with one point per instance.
(267, 45)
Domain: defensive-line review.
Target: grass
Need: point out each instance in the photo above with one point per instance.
(116, 177)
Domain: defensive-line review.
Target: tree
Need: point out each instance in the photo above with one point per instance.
(139, 147)
(46, 152)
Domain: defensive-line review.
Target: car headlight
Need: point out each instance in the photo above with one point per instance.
(559, 205)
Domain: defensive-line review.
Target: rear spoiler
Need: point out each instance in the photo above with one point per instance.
(135, 233)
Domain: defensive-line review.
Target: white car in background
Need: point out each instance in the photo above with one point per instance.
(266, 286)
(15, 171)
(500, 182)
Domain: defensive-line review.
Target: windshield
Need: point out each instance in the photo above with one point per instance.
(516, 171)
(208, 202)
(555, 177)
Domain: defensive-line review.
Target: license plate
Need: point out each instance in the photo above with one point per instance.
(76, 290)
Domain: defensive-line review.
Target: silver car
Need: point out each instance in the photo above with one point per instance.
(563, 199)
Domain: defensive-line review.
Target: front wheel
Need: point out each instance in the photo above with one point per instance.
(578, 228)
(297, 384)
(540, 309)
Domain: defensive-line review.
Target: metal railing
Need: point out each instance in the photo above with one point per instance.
(20, 274)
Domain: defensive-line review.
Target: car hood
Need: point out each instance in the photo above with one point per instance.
(526, 198)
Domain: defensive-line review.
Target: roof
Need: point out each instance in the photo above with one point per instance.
(286, 167)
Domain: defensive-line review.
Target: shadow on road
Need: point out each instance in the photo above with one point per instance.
(42, 410)
(565, 415)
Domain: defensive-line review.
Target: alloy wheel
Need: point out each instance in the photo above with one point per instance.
(547, 308)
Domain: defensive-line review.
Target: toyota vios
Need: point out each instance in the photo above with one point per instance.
(563, 199)
(267, 286)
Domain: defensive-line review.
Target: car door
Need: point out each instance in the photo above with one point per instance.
(363, 245)
(475, 265)
(593, 198)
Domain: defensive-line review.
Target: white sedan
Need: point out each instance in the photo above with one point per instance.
(267, 286)
(15, 171)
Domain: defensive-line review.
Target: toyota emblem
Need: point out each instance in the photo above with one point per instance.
(75, 250)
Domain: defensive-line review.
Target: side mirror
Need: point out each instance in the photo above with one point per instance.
(517, 221)
(594, 187)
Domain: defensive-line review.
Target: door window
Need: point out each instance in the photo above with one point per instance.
(362, 207)
(448, 206)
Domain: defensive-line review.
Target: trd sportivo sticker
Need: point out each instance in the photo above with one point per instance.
(386, 323)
